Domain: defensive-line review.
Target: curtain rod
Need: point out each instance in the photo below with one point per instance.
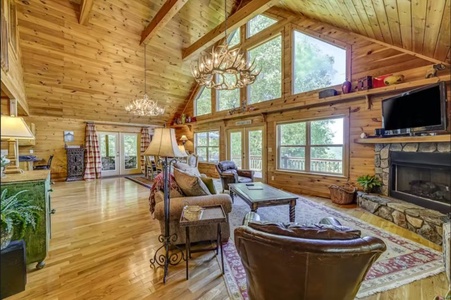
(122, 124)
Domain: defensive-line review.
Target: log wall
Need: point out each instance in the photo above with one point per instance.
(367, 58)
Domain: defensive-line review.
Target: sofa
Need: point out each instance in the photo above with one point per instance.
(182, 193)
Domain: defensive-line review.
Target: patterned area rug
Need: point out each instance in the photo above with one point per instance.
(141, 180)
(403, 262)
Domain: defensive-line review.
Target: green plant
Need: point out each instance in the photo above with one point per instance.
(4, 161)
(18, 213)
(369, 182)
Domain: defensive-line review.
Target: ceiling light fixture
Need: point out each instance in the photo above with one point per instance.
(222, 68)
(144, 106)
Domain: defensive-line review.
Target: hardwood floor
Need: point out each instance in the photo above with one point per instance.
(103, 237)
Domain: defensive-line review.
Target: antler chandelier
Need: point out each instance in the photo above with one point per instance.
(224, 69)
(144, 106)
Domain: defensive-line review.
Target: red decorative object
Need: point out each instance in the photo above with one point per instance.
(379, 80)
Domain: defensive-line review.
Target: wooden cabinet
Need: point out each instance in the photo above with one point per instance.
(37, 185)
(75, 163)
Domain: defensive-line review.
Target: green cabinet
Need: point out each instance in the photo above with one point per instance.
(37, 184)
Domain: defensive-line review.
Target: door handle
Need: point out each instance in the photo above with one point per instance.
(53, 211)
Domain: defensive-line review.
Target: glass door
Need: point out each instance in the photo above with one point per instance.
(246, 149)
(109, 152)
(129, 150)
(119, 153)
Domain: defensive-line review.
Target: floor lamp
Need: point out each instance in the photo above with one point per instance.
(164, 145)
(13, 129)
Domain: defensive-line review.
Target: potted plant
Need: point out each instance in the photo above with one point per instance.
(18, 214)
(4, 162)
(369, 182)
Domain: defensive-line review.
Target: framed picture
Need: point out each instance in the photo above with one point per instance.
(68, 136)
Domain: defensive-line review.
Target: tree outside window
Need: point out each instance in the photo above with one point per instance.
(268, 57)
(311, 146)
(316, 64)
(203, 102)
(207, 146)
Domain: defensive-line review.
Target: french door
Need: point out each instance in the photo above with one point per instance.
(119, 153)
(245, 148)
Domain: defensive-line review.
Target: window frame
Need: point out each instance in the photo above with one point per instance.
(325, 39)
(207, 161)
(248, 49)
(307, 146)
(198, 94)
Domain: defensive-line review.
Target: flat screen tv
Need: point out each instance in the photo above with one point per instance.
(415, 111)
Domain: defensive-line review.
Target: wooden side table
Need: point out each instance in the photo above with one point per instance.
(210, 215)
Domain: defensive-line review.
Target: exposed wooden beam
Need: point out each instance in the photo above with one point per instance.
(430, 59)
(163, 16)
(86, 6)
(239, 18)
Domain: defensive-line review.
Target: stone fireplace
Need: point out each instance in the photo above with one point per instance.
(416, 185)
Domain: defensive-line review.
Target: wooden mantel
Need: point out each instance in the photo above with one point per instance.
(406, 139)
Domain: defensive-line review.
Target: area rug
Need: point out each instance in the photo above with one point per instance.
(141, 180)
(404, 261)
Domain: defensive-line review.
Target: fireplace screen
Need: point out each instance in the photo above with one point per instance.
(421, 178)
(433, 184)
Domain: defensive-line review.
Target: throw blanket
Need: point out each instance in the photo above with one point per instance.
(158, 185)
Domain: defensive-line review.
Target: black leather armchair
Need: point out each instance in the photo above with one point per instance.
(229, 173)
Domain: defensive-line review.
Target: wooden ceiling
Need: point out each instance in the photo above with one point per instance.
(92, 70)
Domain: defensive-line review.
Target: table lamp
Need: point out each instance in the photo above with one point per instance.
(164, 145)
(14, 128)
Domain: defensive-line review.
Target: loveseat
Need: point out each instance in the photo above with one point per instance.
(183, 192)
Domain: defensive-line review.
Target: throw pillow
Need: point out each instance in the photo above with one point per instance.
(187, 168)
(209, 183)
(190, 185)
(158, 185)
(316, 232)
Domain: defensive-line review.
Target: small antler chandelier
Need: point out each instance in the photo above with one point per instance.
(144, 106)
(224, 69)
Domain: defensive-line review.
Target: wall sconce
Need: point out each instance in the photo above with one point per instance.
(183, 139)
(14, 128)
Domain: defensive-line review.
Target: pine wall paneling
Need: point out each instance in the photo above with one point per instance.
(12, 83)
(368, 58)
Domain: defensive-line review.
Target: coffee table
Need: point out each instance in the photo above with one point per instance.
(258, 194)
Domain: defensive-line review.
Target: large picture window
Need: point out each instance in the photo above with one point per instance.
(315, 146)
(268, 85)
(203, 102)
(316, 64)
(207, 146)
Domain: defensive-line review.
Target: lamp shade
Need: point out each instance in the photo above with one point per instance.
(164, 144)
(182, 148)
(15, 128)
(183, 138)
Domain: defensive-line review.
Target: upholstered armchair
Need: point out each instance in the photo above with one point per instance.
(229, 173)
(322, 265)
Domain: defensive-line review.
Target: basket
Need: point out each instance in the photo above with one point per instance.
(342, 194)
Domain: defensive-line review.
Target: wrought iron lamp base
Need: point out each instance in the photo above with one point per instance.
(167, 254)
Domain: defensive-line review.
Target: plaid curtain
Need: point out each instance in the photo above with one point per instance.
(93, 163)
(145, 141)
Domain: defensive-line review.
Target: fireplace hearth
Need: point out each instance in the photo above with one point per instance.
(421, 178)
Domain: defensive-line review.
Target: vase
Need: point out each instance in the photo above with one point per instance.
(346, 87)
(5, 238)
